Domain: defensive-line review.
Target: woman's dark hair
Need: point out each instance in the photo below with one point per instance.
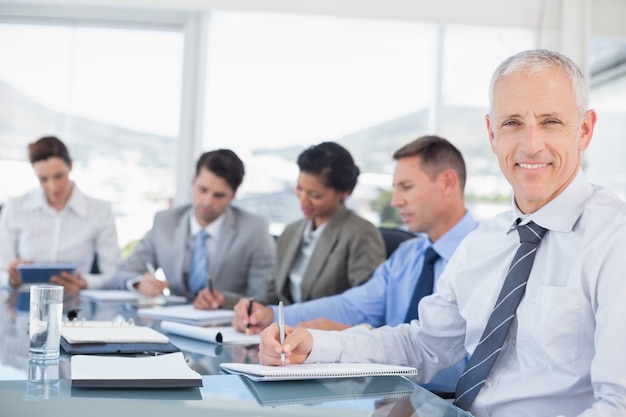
(225, 164)
(48, 147)
(332, 163)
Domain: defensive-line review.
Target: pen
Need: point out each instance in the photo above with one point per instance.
(281, 328)
(159, 275)
(210, 283)
(249, 314)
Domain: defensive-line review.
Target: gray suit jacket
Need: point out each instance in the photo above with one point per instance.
(346, 255)
(241, 266)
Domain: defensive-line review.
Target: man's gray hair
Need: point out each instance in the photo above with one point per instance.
(539, 60)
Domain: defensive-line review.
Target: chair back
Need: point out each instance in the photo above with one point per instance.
(393, 236)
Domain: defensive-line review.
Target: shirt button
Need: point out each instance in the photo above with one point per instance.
(487, 384)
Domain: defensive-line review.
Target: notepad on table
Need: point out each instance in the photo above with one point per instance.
(221, 334)
(91, 332)
(187, 314)
(98, 337)
(162, 371)
(315, 370)
(121, 296)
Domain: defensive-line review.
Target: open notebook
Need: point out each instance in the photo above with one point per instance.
(313, 391)
(315, 370)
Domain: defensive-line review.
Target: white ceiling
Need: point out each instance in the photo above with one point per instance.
(607, 16)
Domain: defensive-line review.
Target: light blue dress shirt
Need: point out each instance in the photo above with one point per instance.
(565, 352)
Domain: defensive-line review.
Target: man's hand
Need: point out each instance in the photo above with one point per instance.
(323, 323)
(15, 280)
(260, 318)
(297, 346)
(71, 283)
(208, 300)
(150, 286)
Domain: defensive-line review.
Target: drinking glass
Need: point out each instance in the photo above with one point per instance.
(46, 309)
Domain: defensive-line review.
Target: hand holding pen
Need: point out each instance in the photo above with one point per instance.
(209, 298)
(154, 285)
(251, 317)
(250, 305)
(281, 329)
(284, 347)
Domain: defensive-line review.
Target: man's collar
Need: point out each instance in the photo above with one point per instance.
(562, 213)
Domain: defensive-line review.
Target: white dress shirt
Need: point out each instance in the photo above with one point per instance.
(32, 230)
(565, 352)
(301, 262)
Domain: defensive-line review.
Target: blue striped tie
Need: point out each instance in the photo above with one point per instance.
(199, 270)
(490, 345)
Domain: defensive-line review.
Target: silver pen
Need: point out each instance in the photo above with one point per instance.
(281, 328)
(159, 275)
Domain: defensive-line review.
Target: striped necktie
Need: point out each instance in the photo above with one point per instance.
(492, 339)
(198, 273)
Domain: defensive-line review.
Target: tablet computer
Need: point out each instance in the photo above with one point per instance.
(38, 273)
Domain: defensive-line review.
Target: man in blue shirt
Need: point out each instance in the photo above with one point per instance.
(428, 181)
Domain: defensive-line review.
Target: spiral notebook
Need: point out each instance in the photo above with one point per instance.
(315, 370)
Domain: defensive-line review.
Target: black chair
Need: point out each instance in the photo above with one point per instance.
(393, 237)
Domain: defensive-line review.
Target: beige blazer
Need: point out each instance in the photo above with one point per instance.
(346, 255)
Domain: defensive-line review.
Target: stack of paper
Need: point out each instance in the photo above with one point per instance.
(121, 296)
(162, 371)
(96, 337)
(187, 314)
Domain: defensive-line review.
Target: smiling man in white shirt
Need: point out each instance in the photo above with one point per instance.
(563, 353)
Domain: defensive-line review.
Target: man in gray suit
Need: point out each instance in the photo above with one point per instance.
(238, 255)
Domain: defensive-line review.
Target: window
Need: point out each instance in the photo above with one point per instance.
(604, 158)
(278, 83)
(112, 95)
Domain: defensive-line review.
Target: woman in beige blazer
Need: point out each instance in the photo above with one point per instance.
(332, 248)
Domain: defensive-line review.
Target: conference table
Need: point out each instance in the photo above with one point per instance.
(34, 389)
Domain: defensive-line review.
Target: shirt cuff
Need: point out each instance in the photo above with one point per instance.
(275, 310)
(4, 279)
(130, 284)
(326, 346)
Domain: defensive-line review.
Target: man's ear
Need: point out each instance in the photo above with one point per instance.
(449, 180)
(586, 129)
(492, 137)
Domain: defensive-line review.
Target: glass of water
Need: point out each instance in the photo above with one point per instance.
(46, 310)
